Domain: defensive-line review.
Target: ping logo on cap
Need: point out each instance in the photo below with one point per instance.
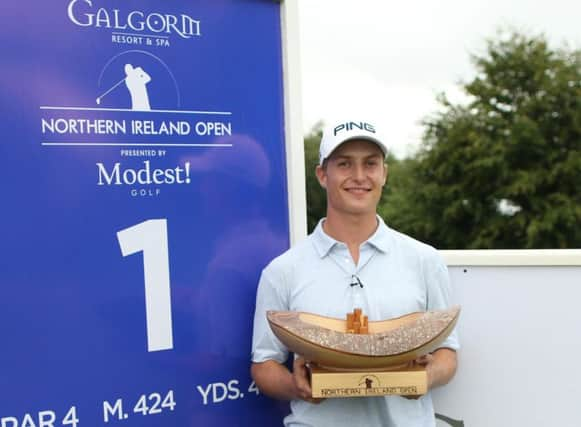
(347, 126)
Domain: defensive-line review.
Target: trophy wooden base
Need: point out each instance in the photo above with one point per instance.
(327, 383)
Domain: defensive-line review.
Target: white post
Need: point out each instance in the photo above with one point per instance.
(295, 159)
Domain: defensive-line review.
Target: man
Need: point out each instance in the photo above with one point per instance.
(352, 259)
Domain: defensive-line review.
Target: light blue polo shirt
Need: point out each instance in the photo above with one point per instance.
(400, 275)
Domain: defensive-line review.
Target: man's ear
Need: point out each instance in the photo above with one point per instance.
(321, 176)
(385, 173)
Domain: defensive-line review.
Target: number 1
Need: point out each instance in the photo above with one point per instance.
(150, 237)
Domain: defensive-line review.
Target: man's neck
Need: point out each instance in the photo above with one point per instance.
(351, 230)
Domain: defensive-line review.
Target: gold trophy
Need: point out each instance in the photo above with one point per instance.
(354, 357)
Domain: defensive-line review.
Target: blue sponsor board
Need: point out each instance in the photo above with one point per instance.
(143, 190)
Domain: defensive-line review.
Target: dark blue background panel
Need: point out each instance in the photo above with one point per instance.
(143, 190)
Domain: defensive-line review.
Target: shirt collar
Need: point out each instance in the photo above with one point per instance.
(324, 243)
(380, 239)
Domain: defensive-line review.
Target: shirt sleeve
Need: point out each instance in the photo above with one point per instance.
(265, 345)
(439, 293)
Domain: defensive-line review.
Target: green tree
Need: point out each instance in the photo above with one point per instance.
(504, 169)
(316, 196)
(396, 206)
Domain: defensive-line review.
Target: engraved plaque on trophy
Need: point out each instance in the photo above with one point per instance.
(354, 357)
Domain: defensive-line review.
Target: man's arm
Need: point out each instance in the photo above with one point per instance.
(440, 366)
(275, 380)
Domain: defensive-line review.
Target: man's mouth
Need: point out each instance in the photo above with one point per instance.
(358, 190)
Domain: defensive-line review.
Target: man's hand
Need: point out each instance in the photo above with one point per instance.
(440, 367)
(275, 380)
(302, 382)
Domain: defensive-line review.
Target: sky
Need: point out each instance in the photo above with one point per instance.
(387, 61)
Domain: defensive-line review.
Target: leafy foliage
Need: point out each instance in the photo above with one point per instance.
(504, 170)
(500, 171)
(316, 196)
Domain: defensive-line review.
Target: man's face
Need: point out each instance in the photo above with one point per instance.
(354, 176)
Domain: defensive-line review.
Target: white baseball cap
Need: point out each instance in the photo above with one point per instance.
(342, 131)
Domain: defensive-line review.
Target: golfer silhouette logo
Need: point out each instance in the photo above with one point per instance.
(368, 381)
(136, 80)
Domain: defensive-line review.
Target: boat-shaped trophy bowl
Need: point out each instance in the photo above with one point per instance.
(388, 343)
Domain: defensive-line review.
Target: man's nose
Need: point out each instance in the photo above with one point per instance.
(358, 172)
